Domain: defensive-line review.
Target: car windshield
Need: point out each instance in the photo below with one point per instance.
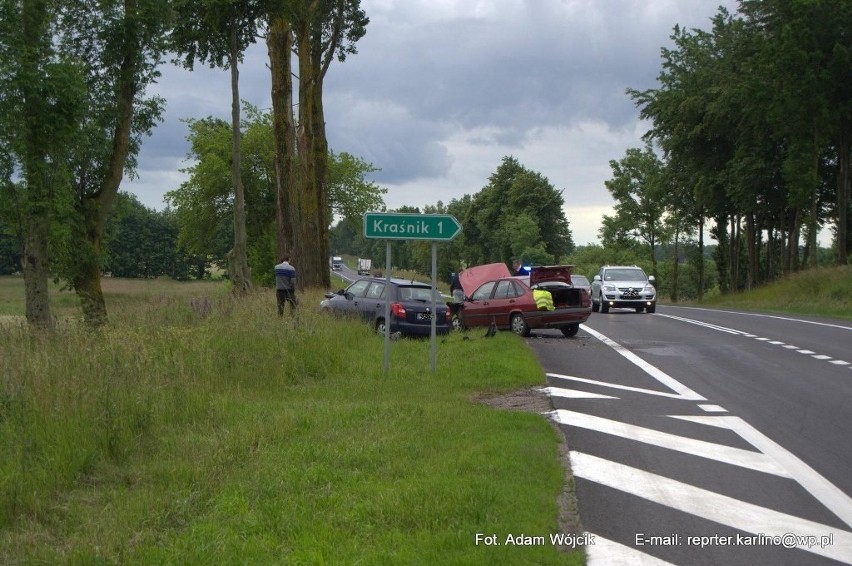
(625, 275)
(418, 294)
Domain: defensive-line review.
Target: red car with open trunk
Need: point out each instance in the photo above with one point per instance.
(494, 295)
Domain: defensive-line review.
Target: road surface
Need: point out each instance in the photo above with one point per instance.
(702, 436)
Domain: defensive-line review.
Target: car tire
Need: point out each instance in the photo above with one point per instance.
(596, 306)
(569, 331)
(519, 325)
(640, 309)
(457, 323)
(651, 309)
(380, 327)
(604, 307)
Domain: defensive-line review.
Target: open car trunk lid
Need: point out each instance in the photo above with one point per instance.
(550, 273)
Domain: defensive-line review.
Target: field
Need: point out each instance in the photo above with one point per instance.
(198, 429)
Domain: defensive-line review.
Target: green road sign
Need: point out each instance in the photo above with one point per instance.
(393, 226)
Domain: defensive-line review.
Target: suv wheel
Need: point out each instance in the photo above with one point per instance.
(604, 307)
(651, 309)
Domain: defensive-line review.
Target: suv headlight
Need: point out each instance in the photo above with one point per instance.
(609, 288)
(649, 289)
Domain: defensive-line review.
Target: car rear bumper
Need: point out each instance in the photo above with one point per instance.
(418, 329)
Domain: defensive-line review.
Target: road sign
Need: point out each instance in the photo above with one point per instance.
(393, 226)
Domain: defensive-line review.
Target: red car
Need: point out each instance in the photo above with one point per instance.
(493, 295)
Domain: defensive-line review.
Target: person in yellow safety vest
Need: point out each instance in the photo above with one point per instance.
(543, 300)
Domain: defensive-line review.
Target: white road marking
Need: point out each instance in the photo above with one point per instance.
(712, 451)
(709, 505)
(713, 408)
(682, 390)
(574, 393)
(606, 552)
(827, 324)
(823, 490)
(839, 362)
(616, 386)
(821, 357)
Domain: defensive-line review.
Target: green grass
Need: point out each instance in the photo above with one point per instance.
(818, 292)
(192, 432)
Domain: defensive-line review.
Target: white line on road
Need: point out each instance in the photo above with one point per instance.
(719, 452)
(682, 390)
(709, 505)
(823, 490)
(616, 386)
(573, 393)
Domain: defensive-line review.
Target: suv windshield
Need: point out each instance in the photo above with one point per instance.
(625, 275)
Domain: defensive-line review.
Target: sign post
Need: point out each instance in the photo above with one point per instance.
(401, 226)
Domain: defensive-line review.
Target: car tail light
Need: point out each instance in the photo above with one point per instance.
(397, 310)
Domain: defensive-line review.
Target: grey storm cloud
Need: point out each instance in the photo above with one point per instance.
(440, 90)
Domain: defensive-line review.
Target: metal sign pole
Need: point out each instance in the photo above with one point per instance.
(387, 305)
(434, 304)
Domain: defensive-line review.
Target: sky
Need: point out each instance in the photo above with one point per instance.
(441, 90)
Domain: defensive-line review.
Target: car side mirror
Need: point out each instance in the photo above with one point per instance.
(596, 278)
(651, 278)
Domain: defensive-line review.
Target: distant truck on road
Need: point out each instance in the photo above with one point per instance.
(364, 266)
(336, 263)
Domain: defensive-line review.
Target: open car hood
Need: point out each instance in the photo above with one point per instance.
(472, 277)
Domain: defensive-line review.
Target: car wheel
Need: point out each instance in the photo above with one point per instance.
(380, 326)
(519, 325)
(640, 309)
(569, 331)
(651, 309)
(604, 307)
(458, 323)
(596, 306)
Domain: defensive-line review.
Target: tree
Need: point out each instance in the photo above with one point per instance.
(203, 203)
(639, 189)
(120, 44)
(42, 101)
(218, 32)
(318, 31)
(501, 220)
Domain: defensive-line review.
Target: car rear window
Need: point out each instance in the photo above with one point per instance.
(416, 294)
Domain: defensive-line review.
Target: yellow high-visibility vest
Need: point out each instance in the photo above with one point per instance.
(543, 300)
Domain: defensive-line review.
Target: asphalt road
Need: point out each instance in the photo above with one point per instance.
(706, 436)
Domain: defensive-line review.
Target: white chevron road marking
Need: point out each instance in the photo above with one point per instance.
(712, 506)
(719, 452)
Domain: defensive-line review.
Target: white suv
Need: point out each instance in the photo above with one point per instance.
(623, 286)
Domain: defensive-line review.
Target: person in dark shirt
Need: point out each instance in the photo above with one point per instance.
(285, 284)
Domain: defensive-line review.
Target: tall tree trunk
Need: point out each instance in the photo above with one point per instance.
(280, 45)
(312, 255)
(675, 271)
(701, 258)
(238, 256)
(94, 209)
(844, 154)
(793, 241)
(36, 221)
(36, 272)
(751, 251)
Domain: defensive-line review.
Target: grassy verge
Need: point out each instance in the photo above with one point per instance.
(817, 292)
(196, 431)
